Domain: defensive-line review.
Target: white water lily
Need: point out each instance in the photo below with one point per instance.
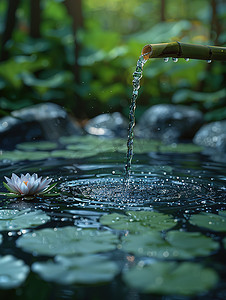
(28, 185)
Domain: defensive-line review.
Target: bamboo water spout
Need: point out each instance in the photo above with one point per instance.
(182, 50)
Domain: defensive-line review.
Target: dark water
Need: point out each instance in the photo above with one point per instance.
(181, 185)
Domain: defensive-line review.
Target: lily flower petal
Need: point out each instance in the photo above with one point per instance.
(27, 185)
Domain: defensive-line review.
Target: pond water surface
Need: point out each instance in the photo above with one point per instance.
(162, 236)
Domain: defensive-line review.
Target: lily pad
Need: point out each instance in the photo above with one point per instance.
(144, 146)
(74, 139)
(171, 278)
(210, 221)
(139, 221)
(87, 269)
(13, 272)
(42, 145)
(181, 148)
(67, 241)
(176, 245)
(17, 155)
(73, 154)
(12, 219)
(195, 243)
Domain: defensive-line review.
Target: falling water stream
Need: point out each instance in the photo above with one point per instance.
(137, 75)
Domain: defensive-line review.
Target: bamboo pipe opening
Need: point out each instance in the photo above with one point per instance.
(146, 52)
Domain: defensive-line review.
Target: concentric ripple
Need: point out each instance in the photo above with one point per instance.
(142, 192)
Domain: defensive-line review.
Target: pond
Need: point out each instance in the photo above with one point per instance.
(159, 236)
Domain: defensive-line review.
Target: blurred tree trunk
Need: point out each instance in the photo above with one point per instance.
(35, 18)
(215, 29)
(163, 10)
(9, 26)
(74, 8)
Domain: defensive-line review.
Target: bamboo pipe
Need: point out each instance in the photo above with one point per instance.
(182, 50)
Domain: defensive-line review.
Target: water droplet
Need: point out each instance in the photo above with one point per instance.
(187, 59)
(209, 61)
(166, 59)
(175, 59)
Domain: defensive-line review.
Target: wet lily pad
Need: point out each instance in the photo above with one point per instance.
(144, 146)
(13, 272)
(67, 241)
(210, 221)
(12, 219)
(74, 139)
(139, 221)
(87, 269)
(195, 243)
(42, 145)
(73, 154)
(171, 278)
(176, 245)
(18, 155)
(181, 148)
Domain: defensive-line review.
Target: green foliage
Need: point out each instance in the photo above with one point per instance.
(110, 43)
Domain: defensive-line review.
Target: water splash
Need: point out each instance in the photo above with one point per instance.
(146, 193)
(137, 75)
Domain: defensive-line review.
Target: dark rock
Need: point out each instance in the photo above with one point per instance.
(169, 122)
(212, 136)
(108, 125)
(38, 122)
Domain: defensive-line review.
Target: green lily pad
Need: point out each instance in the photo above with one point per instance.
(195, 243)
(138, 221)
(74, 139)
(87, 269)
(171, 278)
(181, 148)
(73, 154)
(67, 241)
(42, 145)
(13, 272)
(210, 221)
(12, 219)
(176, 245)
(142, 146)
(17, 155)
